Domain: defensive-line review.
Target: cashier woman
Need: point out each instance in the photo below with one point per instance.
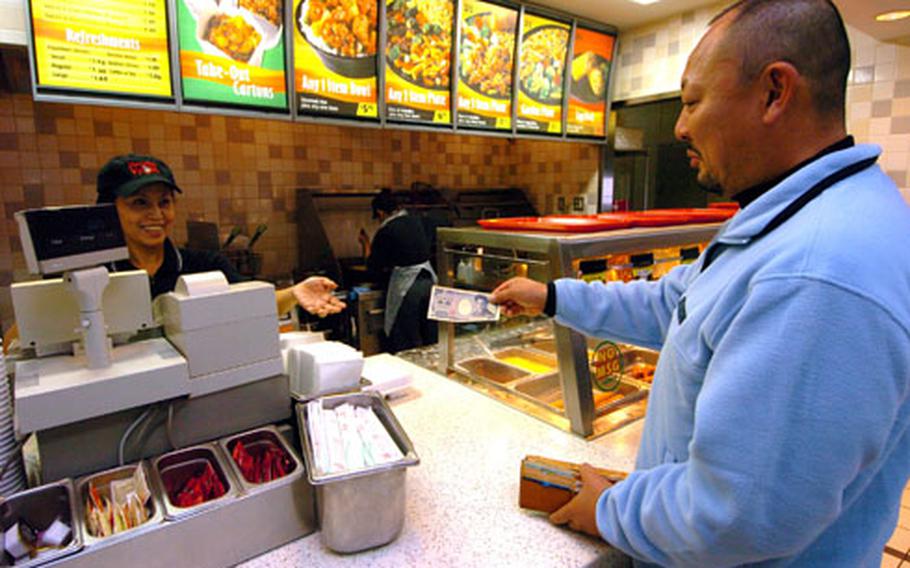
(401, 249)
(144, 191)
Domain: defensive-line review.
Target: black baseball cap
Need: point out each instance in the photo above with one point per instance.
(123, 176)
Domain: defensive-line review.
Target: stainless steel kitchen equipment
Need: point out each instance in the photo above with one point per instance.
(173, 470)
(39, 507)
(365, 508)
(481, 259)
(254, 442)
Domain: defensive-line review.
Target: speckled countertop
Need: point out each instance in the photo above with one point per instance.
(462, 500)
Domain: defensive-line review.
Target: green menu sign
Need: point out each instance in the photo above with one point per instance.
(232, 52)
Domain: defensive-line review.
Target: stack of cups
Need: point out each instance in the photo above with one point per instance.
(13, 480)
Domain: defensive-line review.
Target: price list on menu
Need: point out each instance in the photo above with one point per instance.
(112, 46)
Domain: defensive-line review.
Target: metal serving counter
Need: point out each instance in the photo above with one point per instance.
(566, 398)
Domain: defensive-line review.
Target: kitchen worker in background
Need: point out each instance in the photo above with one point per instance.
(144, 191)
(401, 249)
(778, 428)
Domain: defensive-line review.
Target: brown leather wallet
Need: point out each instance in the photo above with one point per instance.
(547, 484)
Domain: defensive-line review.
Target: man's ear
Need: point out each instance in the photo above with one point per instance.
(779, 83)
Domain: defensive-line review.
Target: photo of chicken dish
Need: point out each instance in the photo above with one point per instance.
(232, 35)
(341, 27)
(420, 41)
(487, 48)
(543, 61)
(269, 10)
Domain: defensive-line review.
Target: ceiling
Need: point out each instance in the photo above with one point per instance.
(861, 15)
(625, 14)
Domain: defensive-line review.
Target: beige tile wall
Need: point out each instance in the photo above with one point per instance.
(244, 171)
(878, 103)
(652, 59)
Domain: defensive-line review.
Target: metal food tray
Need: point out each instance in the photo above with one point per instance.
(252, 438)
(547, 389)
(102, 482)
(491, 370)
(39, 507)
(534, 356)
(380, 407)
(365, 508)
(175, 468)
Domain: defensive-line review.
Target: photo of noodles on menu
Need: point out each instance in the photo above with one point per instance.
(232, 51)
(541, 73)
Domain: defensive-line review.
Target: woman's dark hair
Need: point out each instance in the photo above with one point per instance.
(383, 202)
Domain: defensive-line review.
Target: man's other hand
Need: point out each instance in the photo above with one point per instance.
(581, 512)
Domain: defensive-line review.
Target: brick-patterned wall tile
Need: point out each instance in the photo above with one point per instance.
(244, 171)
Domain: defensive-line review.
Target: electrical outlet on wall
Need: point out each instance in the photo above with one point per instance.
(578, 204)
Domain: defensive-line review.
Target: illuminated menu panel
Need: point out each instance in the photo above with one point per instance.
(485, 65)
(107, 47)
(544, 45)
(335, 58)
(418, 59)
(233, 52)
(590, 72)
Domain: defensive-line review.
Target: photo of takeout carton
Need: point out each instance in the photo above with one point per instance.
(268, 38)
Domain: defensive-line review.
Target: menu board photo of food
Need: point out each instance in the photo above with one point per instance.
(590, 71)
(335, 45)
(541, 72)
(418, 60)
(232, 52)
(121, 50)
(485, 65)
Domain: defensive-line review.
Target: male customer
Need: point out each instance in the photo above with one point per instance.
(777, 428)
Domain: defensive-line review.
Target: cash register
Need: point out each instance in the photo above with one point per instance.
(96, 353)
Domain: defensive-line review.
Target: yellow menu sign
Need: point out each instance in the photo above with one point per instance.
(544, 44)
(104, 46)
(484, 91)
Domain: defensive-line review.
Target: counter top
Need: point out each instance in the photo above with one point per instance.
(462, 500)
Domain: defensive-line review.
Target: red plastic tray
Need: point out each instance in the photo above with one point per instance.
(557, 223)
(687, 215)
(724, 205)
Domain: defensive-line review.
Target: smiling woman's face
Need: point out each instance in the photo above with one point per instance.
(147, 216)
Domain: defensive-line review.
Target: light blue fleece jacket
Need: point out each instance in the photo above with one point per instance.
(777, 427)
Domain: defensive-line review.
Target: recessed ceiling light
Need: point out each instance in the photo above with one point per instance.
(646, 2)
(893, 16)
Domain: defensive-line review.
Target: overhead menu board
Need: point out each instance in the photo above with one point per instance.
(116, 47)
(593, 54)
(335, 44)
(232, 52)
(485, 65)
(542, 65)
(418, 59)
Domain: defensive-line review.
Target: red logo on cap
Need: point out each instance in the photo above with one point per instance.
(143, 168)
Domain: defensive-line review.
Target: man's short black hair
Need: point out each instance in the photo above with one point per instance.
(808, 34)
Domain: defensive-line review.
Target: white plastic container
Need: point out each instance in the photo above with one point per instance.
(317, 369)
